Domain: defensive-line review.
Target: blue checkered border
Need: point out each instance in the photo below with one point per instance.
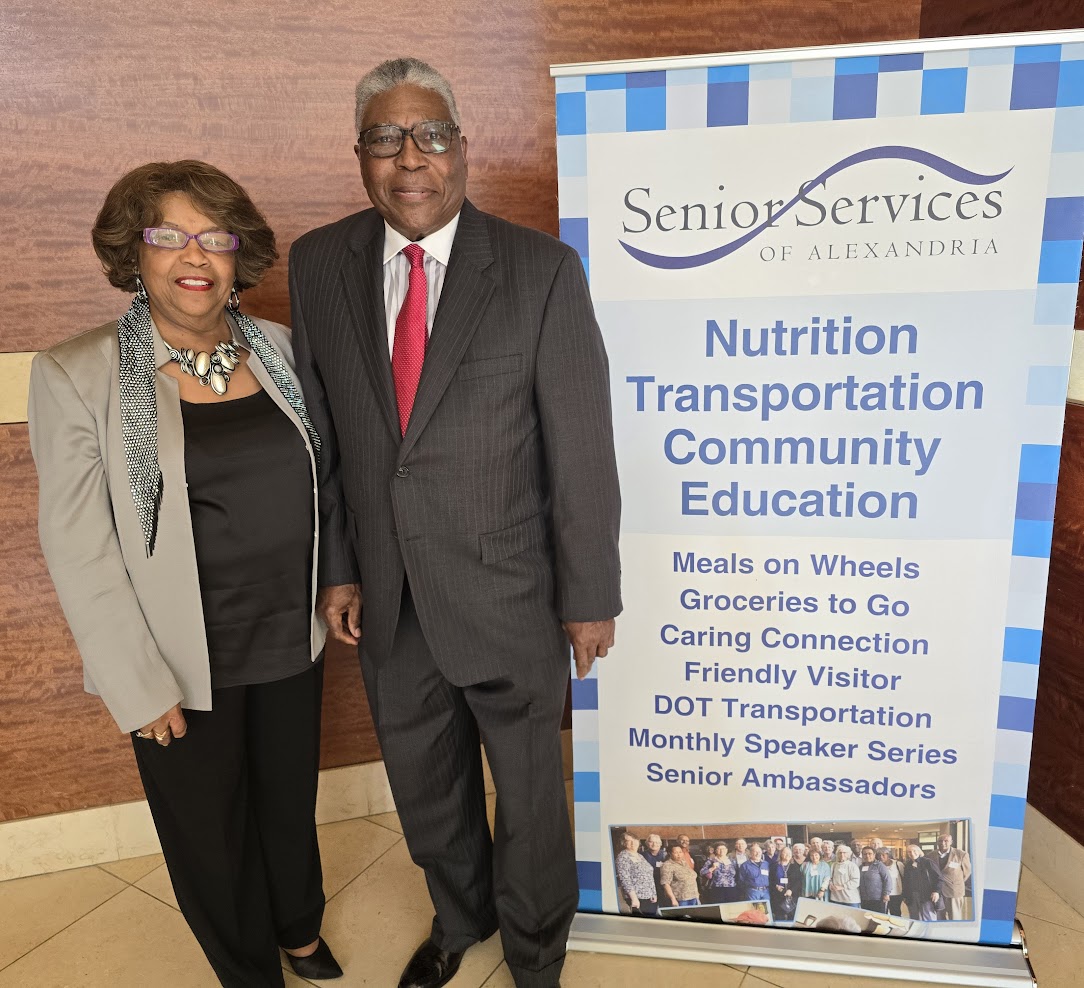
(586, 784)
(1026, 77)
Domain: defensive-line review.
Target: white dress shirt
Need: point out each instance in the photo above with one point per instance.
(438, 248)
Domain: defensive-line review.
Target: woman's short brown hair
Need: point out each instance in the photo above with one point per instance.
(135, 203)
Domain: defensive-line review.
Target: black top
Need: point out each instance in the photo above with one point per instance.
(250, 490)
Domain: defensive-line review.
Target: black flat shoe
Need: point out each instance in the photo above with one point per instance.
(320, 965)
(430, 967)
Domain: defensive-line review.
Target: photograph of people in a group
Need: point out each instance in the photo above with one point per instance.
(886, 878)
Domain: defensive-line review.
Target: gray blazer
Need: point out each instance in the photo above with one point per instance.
(137, 621)
(501, 502)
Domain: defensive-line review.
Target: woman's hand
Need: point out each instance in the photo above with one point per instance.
(634, 903)
(169, 726)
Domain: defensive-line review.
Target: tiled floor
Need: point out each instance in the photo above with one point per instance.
(118, 925)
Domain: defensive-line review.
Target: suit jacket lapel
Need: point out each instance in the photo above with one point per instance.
(363, 281)
(463, 299)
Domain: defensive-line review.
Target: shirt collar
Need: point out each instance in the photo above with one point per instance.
(437, 244)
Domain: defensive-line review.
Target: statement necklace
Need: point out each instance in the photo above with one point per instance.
(212, 368)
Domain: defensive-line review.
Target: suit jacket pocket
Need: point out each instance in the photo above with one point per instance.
(489, 366)
(514, 539)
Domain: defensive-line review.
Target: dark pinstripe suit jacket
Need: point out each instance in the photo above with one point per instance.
(501, 502)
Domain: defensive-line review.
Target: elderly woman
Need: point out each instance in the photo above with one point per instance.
(677, 880)
(718, 876)
(782, 895)
(816, 874)
(921, 884)
(794, 870)
(636, 877)
(846, 877)
(177, 515)
(895, 880)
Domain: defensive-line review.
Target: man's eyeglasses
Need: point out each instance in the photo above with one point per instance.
(214, 242)
(429, 136)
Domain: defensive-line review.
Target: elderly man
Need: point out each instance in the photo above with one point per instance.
(683, 843)
(740, 847)
(753, 877)
(955, 868)
(468, 487)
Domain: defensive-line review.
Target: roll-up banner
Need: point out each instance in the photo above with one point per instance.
(837, 289)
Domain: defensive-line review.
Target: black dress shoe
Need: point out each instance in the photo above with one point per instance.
(430, 967)
(320, 965)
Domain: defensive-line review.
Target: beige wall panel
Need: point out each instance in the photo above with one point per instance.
(14, 383)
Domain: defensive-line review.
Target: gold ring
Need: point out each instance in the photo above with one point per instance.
(142, 734)
(162, 736)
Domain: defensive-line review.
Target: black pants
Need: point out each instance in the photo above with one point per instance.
(234, 804)
(524, 880)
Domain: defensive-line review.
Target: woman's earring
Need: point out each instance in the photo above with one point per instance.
(235, 299)
(141, 292)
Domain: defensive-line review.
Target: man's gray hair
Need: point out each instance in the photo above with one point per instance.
(401, 72)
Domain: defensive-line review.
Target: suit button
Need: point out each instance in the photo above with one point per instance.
(402, 472)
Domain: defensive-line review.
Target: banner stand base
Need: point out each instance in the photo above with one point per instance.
(828, 953)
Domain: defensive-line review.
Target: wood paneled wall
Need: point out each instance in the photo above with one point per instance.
(1057, 764)
(263, 89)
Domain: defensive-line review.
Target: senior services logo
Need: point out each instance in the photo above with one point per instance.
(894, 208)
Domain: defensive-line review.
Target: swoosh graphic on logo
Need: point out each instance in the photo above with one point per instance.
(937, 163)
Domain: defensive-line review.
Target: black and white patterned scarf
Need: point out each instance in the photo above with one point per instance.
(139, 406)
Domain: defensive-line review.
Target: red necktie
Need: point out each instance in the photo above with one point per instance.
(408, 350)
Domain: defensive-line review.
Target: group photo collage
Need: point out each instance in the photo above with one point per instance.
(880, 878)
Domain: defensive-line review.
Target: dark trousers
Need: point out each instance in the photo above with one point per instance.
(524, 880)
(234, 804)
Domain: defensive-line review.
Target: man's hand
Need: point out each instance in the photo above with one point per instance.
(340, 607)
(169, 726)
(589, 639)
